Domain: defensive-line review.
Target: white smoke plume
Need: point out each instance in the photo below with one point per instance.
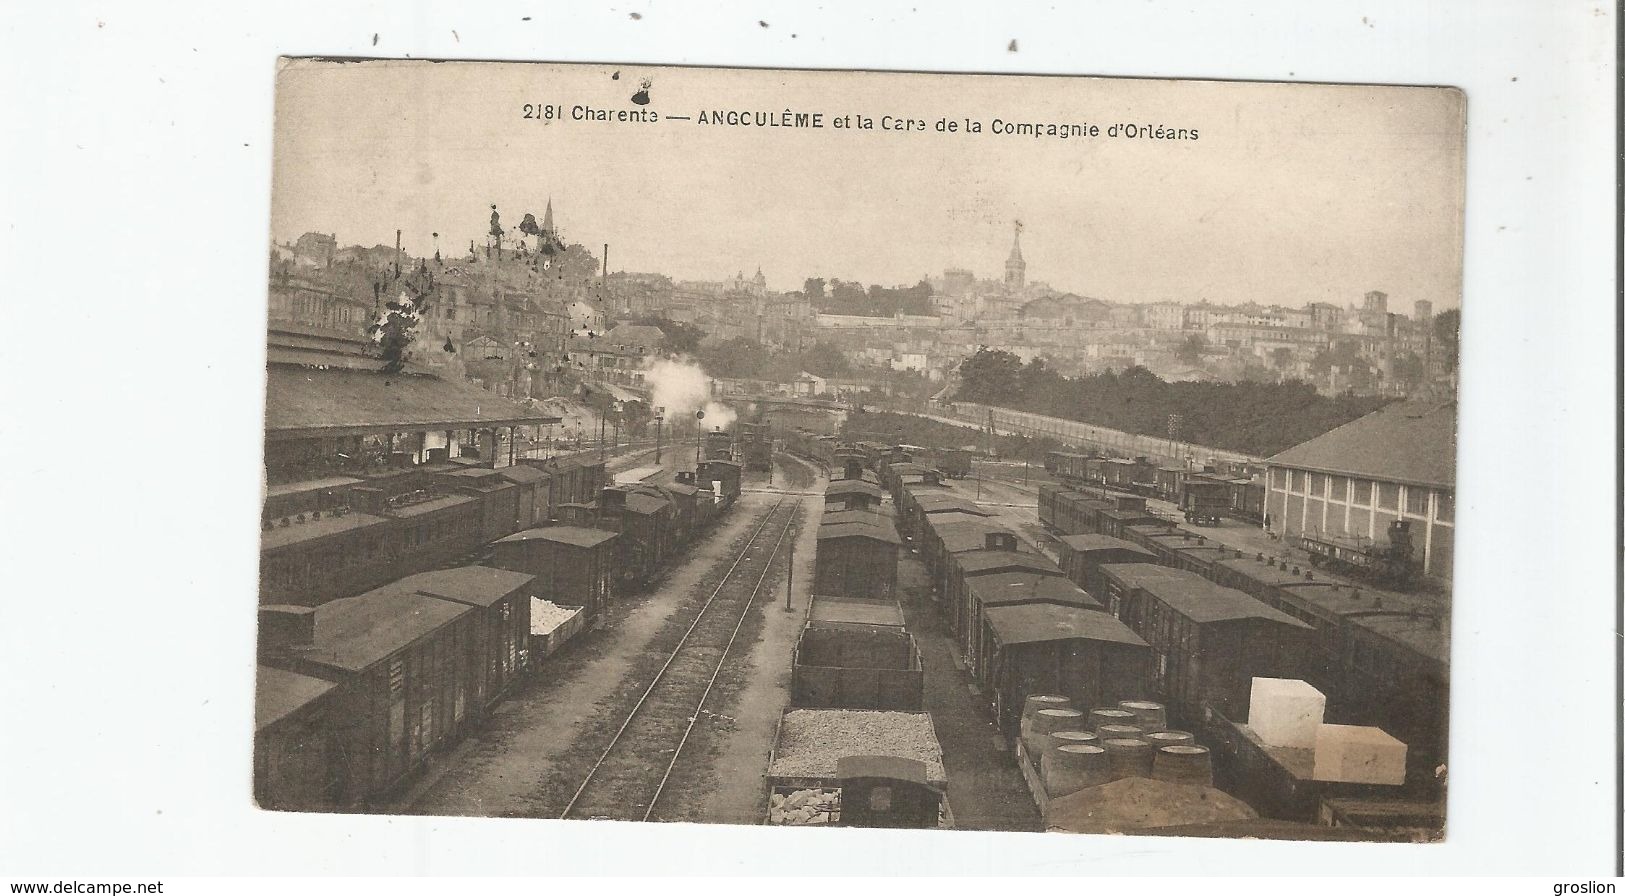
(682, 387)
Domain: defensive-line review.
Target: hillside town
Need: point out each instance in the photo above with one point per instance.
(528, 313)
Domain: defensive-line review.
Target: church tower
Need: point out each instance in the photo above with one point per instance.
(547, 218)
(1015, 267)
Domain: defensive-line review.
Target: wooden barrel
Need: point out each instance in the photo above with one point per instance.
(1047, 743)
(1129, 757)
(1160, 739)
(1046, 721)
(1121, 731)
(1035, 702)
(1150, 716)
(1070, 768)
(1183, 764)
(1108, 716)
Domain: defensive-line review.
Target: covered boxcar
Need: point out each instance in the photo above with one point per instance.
(572, 564)
(404, 672)
(1087, 655)
(1082, 556)
(1210, 641)
(1011, 589)
(856, 559)
(501, 602)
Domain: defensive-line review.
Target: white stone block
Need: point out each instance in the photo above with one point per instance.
(1285, 712)
(1358, 754)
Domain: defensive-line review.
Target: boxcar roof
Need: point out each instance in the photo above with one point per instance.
(937, 502)
(431, 506)
(580, 536)
(641, 503)
(982, 562)
(866, 517)
(295, 533)
(353, 633)
(279, 693)
(1037, 623)
(850, 486)
(858, 530)
(523, 474)
(309, 485)
(1029, 587)
(481, 586)
(1089, 542)
(1194, 597)
(473, 473)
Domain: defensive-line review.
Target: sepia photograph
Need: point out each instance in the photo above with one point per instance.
(857, 449)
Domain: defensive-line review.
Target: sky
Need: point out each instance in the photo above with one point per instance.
(1291, 194)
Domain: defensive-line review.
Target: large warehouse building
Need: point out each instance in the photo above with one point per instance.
(1395, 463)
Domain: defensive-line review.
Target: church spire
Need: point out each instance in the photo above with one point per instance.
(547, 218)
(1015, 267)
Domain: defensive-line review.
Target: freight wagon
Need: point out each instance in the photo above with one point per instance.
(1011, 589)
(572, 564)
(856, 768)
(849, 665)
(403, 666)
(1210, 641)
(1204, 501)
(1077, 652)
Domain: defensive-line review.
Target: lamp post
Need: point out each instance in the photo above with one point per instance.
(699, 437)
(658, 419)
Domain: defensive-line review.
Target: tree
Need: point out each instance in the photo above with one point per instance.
(395, 329)
(813, 289)
(1190, 351)
(681, 338)
(991, 376)
(1447, 333)
(825, 360)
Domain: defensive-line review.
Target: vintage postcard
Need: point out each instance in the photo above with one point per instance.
(814, 448)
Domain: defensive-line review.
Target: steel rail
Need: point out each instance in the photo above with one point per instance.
(659, 675)
(722, 660)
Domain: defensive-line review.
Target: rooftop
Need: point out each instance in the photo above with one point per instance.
(1412, 442)
(1085, 543)
(852, 486)
(579, 536)
(858, 530)
(1193, 596)
(279, 693)
(991, 561)
(523, 474)
(1029, 588)
(353, 633)
(311, 529)
(306, 402)
(480, 586)
(1033, 624)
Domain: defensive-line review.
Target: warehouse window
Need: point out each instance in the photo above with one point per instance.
(1340, 488)
(1444, 507)
(1362, 492)
(1388, 495)
(1317, 485)
(1416, 501)
(1297, 480)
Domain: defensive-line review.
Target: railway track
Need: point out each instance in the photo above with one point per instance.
(630, 776)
